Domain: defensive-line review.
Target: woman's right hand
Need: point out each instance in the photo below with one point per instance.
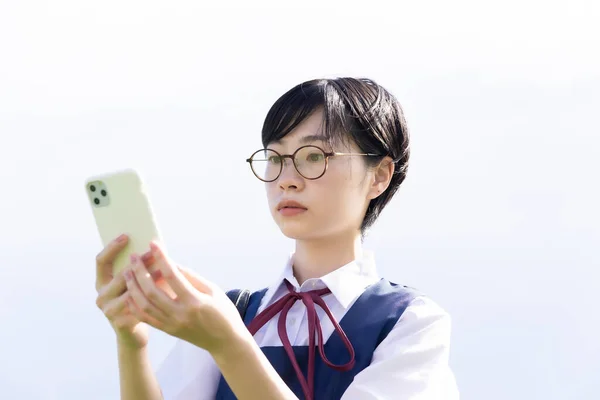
(113, 295)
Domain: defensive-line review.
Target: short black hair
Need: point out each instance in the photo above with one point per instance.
(354, 109)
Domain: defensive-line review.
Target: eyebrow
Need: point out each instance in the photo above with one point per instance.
(305, 139)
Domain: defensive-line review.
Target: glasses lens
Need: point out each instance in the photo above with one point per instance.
(310, 162)
(266, 164)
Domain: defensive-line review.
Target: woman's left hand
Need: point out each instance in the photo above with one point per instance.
(196, 311)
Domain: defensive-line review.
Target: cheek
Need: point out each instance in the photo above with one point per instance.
(273, 197)
(338, 195)
(271, 191)
(352, 189)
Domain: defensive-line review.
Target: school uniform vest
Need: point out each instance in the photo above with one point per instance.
(366, 324)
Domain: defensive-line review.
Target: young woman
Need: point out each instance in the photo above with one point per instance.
(335, 152)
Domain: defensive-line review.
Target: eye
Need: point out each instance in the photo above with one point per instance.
(274, 160)
(315, 157)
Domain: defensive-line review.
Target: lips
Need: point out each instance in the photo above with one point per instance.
(292, 204)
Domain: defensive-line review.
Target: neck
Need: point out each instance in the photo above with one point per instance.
(316, 258)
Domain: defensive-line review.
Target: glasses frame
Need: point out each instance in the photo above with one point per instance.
(292, 157)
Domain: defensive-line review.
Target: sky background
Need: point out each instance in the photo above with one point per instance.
(497, 221)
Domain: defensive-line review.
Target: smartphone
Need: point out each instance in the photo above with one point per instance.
(120, 205)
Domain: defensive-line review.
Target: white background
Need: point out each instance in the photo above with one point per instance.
(497, 220)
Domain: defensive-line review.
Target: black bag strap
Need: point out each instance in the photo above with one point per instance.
(241, 298)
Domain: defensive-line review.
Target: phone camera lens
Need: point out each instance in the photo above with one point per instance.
(93, 188)
(97, 201)
(103, 192)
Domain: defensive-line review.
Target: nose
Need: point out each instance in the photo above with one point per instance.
(290, 179)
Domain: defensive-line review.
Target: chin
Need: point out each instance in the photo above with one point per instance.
(294, 232)
(301, 231)
(291, 227)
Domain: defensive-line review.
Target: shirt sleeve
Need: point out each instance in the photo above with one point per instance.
(411, 363)
(188, 373)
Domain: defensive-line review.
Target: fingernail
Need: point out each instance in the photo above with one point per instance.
(134, 258)
(156, 275)
(122, 238)
(128, 275)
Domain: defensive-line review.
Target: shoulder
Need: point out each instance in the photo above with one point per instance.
(417, 317)
(391, 299)
(412, 359)
(423, 324)
(423, 312)
(415, 305)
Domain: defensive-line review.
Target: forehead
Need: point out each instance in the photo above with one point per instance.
(308, 131)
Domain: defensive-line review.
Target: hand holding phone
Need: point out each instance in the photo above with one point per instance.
(126, 224)
(113, 299)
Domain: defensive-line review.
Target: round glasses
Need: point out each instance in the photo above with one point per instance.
(310, 162)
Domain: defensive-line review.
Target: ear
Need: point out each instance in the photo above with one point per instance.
(382, 175)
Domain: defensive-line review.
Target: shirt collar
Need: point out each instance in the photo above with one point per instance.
(346, 283)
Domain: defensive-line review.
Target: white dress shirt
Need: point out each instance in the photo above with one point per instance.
(410, 363)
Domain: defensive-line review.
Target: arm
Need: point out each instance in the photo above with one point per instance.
(249, 373)
(412, 361)
(203, 315)
(137, 380)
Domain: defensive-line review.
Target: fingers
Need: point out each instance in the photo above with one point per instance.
(145, 282)
(117, 312)
(123, 313)
(112, 290)
(117, 285)
(142, 297)
(116, 307)
(171, 273)
(147, 258)
(105, 259)
(138, 314)
(150, 263)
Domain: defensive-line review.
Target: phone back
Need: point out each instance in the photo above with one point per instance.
(120, 205)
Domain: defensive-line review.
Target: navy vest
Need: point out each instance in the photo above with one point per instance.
(366, 324)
